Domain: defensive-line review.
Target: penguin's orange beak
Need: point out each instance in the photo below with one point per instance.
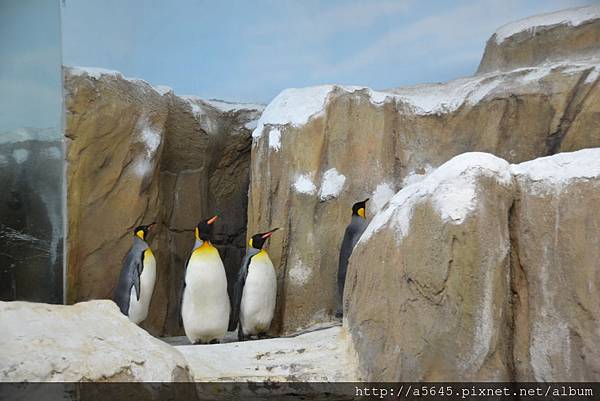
(212, 220)
(269, 233)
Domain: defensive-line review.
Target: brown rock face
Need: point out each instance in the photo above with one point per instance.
(319, 150)
(473, 275)
(136, 156)
(555, 233)
(428, 295)
(567, 34)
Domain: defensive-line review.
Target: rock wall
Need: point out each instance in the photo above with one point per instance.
(138, 154)
(482, 272)
(318, 150)
(561, 35)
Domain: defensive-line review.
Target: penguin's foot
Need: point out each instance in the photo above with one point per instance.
(199, 342)
(215, 341)
(262, 336)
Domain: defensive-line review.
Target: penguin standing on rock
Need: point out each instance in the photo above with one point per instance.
(351, 236)
(255, 291)
(138, 275)
(205, 302)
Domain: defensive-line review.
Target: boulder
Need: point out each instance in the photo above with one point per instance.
(138, 154)
(555, 237)
(544, 38)
(428, 292)
(318, 150)
(88, 341)
(482, 271)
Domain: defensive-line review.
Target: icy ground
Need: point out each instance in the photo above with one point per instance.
(319, 355)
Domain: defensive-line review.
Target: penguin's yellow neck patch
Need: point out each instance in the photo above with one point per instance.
(250, 243)
(140, 233)
(261, 255)
(205, 250)
(361, 212)
(197, 233)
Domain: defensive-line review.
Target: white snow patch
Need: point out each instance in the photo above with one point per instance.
(275, 138)
(451, 188)
(294, 106)
(416, 175)
(20, 155)
(592, 76)
(331, 184)
(163, 90)
(151, 138)
(93, 72)
(382, 194)
(304, 185)
(552, 173)
(226, 106)
(300, 273)
(571, 17)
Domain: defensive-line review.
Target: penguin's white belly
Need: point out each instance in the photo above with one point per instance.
(138, 310)
(259, 296)
(205, 308)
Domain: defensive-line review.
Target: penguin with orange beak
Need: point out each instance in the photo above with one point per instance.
(138, 275)
(255, 291)
(205, 304)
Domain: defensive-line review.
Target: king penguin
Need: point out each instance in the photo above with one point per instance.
(205, 302)
(138, 274)
(351, 236)
(255, 290)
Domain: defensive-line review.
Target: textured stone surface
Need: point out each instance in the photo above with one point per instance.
(567, 34)
(137, 155)
(378, 142)
(482, 272)
(555, 232)
(428, 293)
(89, 341)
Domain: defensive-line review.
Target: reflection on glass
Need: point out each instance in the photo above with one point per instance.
(31, 151)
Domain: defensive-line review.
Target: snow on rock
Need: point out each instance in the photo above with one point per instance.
(150, 138)
(304, 185)
(163, 90)
(93, 72)
(322, 355)
(552, 173)
(299, 274)
(275, 138)
(226, 106)
(20, 155)
(88, 341)
(571, 17)
(331, 184)
(452, 188)
(416, 175)
(382, 194)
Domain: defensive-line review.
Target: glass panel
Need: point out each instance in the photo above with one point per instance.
(31, 151)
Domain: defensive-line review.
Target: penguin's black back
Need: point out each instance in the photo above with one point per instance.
(351, 236)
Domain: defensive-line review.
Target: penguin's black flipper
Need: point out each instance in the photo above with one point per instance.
(129, 277)
(238, 290)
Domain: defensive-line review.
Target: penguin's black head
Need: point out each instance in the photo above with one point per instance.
(142, 231)
(358, 209)
(204, 229)
(258, 240)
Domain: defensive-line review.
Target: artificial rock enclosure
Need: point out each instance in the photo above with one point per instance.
(481, 258)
